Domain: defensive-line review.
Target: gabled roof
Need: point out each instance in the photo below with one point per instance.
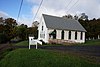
(54, 22)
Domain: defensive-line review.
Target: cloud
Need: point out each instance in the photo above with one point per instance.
(59, 7)
(26, 19)
(90, 7)
(50, 8)
(34, 1)
(3, 14)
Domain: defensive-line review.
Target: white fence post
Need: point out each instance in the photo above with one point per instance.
(29, 46)
(36, 46)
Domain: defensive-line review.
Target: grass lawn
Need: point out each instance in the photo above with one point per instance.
(4, 52)
(92, 42)
(42, 58)
(23, 43)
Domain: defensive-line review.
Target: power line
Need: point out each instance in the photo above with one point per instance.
(69, 3)
(37, 10)
(72, 6)
(19, 10)
(76, 6)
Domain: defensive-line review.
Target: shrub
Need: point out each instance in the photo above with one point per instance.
(3, 38)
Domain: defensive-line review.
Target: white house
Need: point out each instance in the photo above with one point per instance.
(60, 29)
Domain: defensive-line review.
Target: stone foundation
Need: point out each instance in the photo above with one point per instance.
(59, 41)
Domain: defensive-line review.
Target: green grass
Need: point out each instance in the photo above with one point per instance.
(92, 42)
(23, 43)
(4, 52)
(42, 58)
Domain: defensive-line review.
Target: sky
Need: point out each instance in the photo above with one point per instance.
(10, 8)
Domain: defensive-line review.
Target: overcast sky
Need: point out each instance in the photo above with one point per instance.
(51, 7)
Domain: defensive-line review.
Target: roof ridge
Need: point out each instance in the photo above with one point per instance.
(52, 15)
(58, 17)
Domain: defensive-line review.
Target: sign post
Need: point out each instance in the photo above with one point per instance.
(32, 42)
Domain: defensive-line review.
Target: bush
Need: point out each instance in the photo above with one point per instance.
(3, 38)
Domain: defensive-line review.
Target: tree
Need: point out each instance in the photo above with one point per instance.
(1, 25)
(83, 16)
(35, 24)
(3, 38)
(9, 24)
(21, 32)
(76, 17)
(7, 28)
(70, 16)
(33, 32)
(92, 27)
(1, 20)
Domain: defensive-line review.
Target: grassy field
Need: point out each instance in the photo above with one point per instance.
(92, 42)
(23, 43)
(42, 58)
(4, 52)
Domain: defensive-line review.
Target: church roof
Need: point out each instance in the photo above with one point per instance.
(61, 23)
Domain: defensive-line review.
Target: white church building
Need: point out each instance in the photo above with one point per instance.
(60, 29)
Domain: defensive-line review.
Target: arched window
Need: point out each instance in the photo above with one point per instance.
(76, 35)
(62, 34)
(69, 34)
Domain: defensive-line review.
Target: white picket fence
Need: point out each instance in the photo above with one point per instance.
(33, 41)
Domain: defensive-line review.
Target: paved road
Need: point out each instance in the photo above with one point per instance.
(87, 50)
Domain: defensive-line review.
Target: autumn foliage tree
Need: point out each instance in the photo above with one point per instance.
(7, 29)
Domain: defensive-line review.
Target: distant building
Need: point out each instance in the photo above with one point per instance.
(60, 29)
